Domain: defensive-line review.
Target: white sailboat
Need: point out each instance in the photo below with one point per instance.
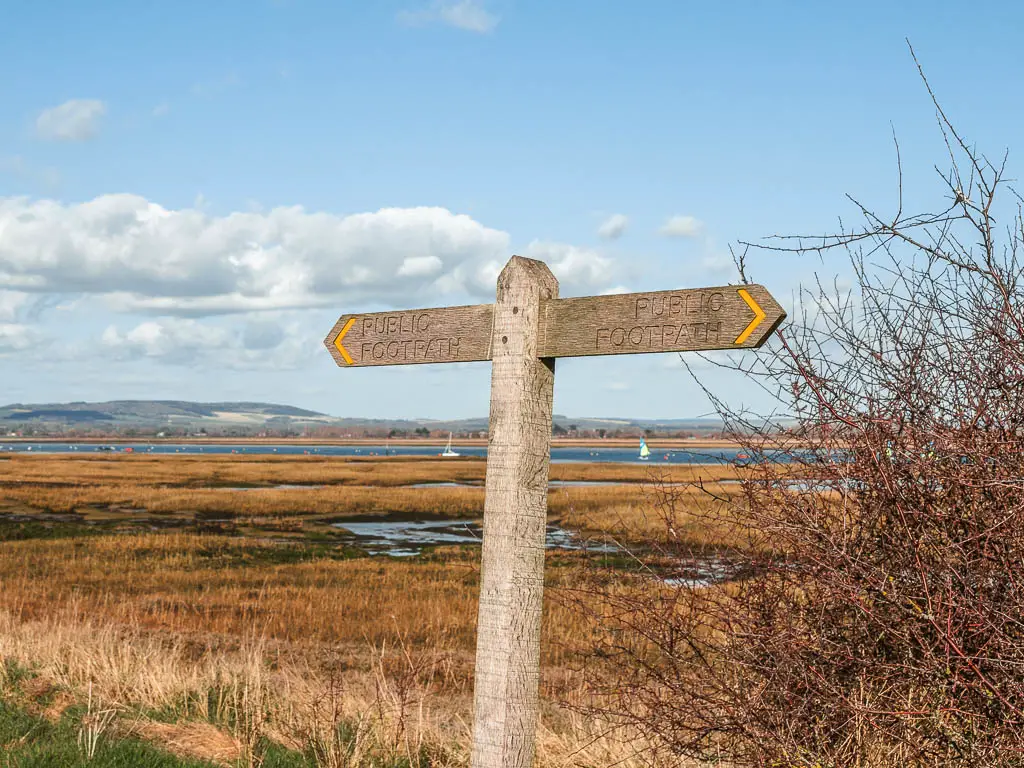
(448, 451)
(645, 452)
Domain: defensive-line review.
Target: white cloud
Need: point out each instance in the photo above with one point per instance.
(613, 227)
(575, 268)
(11, 303)
(470, 15)
(615, 290)
(167, 338)
(234, 291)
(21, 307)
(259, 344)
(74, 120)
(143, 257)
(161, 109)
(16, 337)
(420, 266)
(682, 226)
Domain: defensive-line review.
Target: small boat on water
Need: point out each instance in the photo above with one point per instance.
(645, 452)
(448, 450)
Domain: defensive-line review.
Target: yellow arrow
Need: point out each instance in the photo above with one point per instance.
(344, 330)
(759, 315)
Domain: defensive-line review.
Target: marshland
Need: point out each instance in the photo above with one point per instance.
(218, 606)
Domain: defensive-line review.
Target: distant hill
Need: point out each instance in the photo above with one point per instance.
(180, 417)
(117, 415)
(145, 409)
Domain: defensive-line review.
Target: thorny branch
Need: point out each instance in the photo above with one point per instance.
(878, 619)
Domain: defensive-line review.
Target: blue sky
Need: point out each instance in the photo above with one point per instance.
(191, 194)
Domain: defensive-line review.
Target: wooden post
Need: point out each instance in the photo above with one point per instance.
(515, 520)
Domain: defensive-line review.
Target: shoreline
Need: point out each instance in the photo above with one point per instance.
(478, 442)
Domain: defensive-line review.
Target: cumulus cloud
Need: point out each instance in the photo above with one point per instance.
(74, 120)
(576, 268)
(232, 291)
(613, 227)
(259, 344)
(11, 304)
(470, 15)
(145, 258)
(416, 266)
(682, 226)
(16, 337)
(176, 340)
(21, 307)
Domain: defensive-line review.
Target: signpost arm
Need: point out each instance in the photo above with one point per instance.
(515, 519)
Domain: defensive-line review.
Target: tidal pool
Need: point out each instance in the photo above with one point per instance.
(551, 484)
(279, 487)
(702, 573)
(405, 538)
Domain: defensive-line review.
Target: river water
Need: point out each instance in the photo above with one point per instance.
(558, 455)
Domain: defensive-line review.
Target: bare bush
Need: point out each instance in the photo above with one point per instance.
(882, 620)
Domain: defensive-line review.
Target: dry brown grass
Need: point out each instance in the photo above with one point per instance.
(213, 585)
(162, 619)
(219, 701)
(596, 508)
(237, 470)
(124, 486)
(330, 500)
(189, 738)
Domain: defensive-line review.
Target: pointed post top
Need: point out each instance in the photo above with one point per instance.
(532, 271)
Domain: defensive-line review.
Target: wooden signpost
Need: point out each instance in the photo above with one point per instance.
(522, 333)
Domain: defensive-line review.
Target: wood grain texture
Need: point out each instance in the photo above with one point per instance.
(661, 321)
(515, 517)
(622, 324)
(406, 337)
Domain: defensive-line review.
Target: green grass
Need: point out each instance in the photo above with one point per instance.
(31, 741)
(14, 672)
(27, 741)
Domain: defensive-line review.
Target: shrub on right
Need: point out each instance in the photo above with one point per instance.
(880, 620)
